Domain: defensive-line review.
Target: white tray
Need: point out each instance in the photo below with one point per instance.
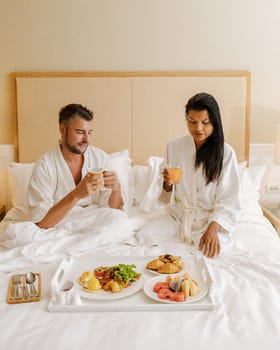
(72, 269)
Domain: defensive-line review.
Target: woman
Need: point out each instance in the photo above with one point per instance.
(205, 203)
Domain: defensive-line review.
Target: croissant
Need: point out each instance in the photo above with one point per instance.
(178, 262)
(154, 264)
(169, 268)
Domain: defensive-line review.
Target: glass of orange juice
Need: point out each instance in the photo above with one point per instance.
(175, 173)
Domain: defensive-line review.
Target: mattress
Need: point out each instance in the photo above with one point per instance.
(245, 283)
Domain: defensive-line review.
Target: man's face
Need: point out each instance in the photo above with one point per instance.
(75, 135)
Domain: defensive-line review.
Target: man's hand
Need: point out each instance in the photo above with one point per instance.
(111, 181)
(88, 185)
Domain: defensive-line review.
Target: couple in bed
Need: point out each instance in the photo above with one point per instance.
(204, 205)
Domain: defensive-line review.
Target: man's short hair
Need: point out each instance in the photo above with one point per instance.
(74, 110)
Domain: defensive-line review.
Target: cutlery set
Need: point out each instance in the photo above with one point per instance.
(24, 288)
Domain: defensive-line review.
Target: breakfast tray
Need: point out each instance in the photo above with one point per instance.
(71, 270)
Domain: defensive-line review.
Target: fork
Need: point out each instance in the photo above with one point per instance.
(16, 282)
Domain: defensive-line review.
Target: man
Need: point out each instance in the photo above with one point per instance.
(60, 179)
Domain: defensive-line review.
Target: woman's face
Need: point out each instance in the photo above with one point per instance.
(199, 126)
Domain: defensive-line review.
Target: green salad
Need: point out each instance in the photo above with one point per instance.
(124, 272)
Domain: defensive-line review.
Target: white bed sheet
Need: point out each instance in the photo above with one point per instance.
(246, 296)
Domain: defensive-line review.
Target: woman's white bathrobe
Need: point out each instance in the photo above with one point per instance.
(194, 204)
(52, 180)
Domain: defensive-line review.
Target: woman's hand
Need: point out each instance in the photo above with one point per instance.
(209, 243)
(167, 182)
(171, 176)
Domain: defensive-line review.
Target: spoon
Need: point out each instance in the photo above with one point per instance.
(30, 280)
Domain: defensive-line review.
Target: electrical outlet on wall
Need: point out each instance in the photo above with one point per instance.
(273, 188)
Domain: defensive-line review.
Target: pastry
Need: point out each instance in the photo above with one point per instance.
(166, 263)
(155, 264)
(169, 267)
(178, 262)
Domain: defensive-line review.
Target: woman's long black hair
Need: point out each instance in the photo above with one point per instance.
(211, 154)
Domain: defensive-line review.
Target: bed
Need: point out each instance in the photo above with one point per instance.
(242, 307)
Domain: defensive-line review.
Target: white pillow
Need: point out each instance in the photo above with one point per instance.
(148, 184)
(123, 153)
(18, 178)
(250, 179)
(141, 176)
(122, 166)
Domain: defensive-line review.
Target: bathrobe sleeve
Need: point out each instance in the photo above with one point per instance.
(42, 190)
(227, 201)
(52, 180)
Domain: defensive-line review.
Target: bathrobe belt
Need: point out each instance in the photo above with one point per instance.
(183, 214)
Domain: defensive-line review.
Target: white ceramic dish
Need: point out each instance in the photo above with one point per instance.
(148, 289)
(107, 295)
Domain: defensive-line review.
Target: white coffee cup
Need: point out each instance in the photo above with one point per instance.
(95, 171)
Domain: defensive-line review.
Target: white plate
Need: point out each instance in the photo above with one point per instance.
(107, 295)
(184, 270)
(148, 289)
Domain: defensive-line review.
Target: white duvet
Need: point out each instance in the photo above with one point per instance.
(246, 289)
(24, 243)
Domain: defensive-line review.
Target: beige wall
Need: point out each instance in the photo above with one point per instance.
(89, 35)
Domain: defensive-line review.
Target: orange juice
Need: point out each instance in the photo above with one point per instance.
(175, 174)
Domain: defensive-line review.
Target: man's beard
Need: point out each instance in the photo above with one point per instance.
(74, 149)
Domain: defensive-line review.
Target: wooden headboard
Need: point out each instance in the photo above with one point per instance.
(139, 111)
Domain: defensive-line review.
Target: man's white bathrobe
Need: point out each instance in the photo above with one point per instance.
(52, 180)
(90, 224)
(194, 204)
